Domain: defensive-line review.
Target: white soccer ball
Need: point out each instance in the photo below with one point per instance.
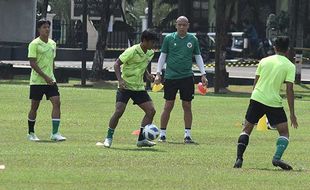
(151, 132)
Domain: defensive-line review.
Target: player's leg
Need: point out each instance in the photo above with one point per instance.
(164, 119)
(144, 101)
(170, 91)
(149, 111)
(122, 97)
(187, 91)
(277, 117)
(53, 95)
(36, 94)
(32, 119)
(255, 111)
(55, 100)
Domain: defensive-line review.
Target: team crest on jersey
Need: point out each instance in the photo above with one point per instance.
(189, 45)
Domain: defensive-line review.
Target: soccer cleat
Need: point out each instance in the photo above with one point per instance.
(162, 139)
(58, 137)
(107, 143)
(188, 140)
(145, 143)
(32, 137)
(281, 164)
(238, 163)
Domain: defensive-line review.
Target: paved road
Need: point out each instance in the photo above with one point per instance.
(234, 72)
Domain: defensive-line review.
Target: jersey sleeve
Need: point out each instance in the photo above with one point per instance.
(32, 50)
(258, 70)
(196, 47)
(290, 76)
(127, 55)
(55, 48)
(165, 45)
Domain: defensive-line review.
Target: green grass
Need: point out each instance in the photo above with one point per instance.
(79, 164)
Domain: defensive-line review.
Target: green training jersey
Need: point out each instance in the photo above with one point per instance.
(135, 62)
(273, 71)
(44, 53)
(180, 53)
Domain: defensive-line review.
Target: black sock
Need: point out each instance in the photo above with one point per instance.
(141, 136)
(243, 142)
(31, 126)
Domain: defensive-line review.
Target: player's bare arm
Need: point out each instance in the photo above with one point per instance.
(290, 101)
(149, 76)
(255, 80)
(117, 69)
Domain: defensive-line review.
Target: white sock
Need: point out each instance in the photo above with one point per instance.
(187, 133)
(162, 132)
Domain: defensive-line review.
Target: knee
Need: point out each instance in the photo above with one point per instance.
(118, 113)
(57, 104)
(168, 108)
(187, 107)
(151, 112)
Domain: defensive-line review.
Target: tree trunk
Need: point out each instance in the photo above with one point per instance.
(44, 8)
(301, 15)
(106, 9)
(220, 39)
(100, 50)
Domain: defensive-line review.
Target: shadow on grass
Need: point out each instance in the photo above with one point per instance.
(231, 94)
(147, 149)
(277, 170)
(304, 87)
(181, 143)
(14, 82)
(48, 141)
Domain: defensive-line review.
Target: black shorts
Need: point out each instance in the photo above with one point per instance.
(256, 110)
(138, 97)
(37, 91)
(184, 85)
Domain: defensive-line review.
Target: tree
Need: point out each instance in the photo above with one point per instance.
(105, 9)
(222, 24)
(179, 7)
(61, 8)
(44, 8)
(297, 15)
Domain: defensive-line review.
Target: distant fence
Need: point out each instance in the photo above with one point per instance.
(68, 34)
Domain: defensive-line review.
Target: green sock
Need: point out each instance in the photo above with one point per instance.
(56, 123)
(282, 143)
(110, 133)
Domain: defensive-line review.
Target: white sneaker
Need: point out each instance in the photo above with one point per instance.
(107, 142)
(58, 137)
(32, 137)
(145, 143)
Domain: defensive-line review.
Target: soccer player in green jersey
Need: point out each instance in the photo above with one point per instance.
(177, 52)
(271, 73)
(41, 53)
(134, 61)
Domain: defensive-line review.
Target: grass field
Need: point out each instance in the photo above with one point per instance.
(79, 164)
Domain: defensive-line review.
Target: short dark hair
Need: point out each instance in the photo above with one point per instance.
(149, 35)
(43, 21)
(281, 43)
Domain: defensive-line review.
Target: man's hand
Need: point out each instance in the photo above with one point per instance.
(204, 80)
(157, 79)
(49, 81)
(150, 77)
(294, 121)
(121, 84)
